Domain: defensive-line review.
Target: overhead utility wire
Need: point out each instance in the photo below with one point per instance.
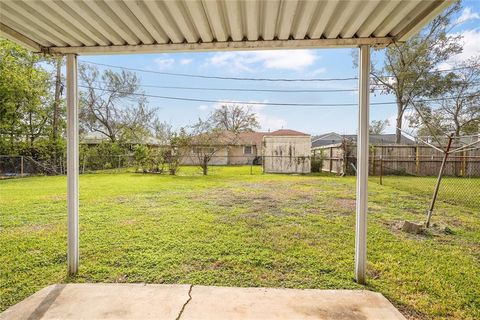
(222, 78)
(259, 103)
(246, 89)
(246, 78)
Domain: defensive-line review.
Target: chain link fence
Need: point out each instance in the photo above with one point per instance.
(414, 168)
(462, 188)
(21, 166)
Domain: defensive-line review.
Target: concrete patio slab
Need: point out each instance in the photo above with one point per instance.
(154, 301)
(266, 303)
(102, 301)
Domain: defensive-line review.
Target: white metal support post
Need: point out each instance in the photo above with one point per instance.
(72, 164)
(362, 165)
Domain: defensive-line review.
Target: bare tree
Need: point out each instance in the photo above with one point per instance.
(207, 140)
(407, 68)
(234, 118)
(113, 104)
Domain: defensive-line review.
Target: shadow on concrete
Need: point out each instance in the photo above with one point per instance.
(46, 303)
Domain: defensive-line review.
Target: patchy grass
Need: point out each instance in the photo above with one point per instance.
(235, 229)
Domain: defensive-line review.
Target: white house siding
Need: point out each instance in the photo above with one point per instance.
(237, 156)
(286, 154)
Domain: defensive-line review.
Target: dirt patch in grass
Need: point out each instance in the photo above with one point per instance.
(344, 206)
(56, 198)
(267, 200)
(257, 202)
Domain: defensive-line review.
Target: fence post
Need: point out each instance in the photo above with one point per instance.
(439, 179)
(381, 170)
(331, 160)
(21, 166)
(417, 160)
(374, 165)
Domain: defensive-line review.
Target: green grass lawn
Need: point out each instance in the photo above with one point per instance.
(453, 190)
(235, 229)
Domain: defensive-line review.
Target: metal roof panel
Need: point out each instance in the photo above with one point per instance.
(128, 26)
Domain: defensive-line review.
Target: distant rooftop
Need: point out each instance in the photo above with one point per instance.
(334, 138)
(286, 132)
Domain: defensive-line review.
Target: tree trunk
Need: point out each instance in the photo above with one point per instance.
(205, 167)
(56, 102)
(399, 122)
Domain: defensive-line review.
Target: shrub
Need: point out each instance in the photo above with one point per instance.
(316, 165)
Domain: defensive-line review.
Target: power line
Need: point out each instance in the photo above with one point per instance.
(254, 90)
(222, 78)
(250, 90)
(374, 87)
(264, 103)
(252, 79)
(246, 89)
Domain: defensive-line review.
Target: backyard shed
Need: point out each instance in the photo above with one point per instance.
(286, 151)
(107, 27)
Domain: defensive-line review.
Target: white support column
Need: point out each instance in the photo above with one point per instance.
(362, 165)
(72, 164)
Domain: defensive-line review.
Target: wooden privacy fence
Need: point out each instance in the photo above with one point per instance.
(418, 160)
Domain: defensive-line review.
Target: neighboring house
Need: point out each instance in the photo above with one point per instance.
(96, 138)
(278, 150)
(241, 149)
(375, 139)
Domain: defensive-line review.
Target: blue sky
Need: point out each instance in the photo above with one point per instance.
(322, 63)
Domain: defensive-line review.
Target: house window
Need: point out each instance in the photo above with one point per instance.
(247, 150)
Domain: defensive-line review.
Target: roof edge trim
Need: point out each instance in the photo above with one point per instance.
(429, 14)
(20, 39)
(224, 46)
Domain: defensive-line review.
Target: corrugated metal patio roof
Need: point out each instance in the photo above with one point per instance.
(127, 26)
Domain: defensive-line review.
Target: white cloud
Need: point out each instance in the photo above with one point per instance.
(471, 48)
(271, 122)
(185, 61)
(467, 15)
(203, 107)
(392, 123)
(164, 63)
(270, 59)
(317, 71)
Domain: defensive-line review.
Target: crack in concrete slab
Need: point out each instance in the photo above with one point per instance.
(186, 302)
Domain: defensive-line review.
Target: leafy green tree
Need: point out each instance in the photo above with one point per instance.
(407, 67)
(378, 126)
(455, 103)
(179, 145)
(23, 91)
(141, 157)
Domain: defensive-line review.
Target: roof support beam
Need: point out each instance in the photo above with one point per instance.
(225, 46)
(19, 38)
(362, 165)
